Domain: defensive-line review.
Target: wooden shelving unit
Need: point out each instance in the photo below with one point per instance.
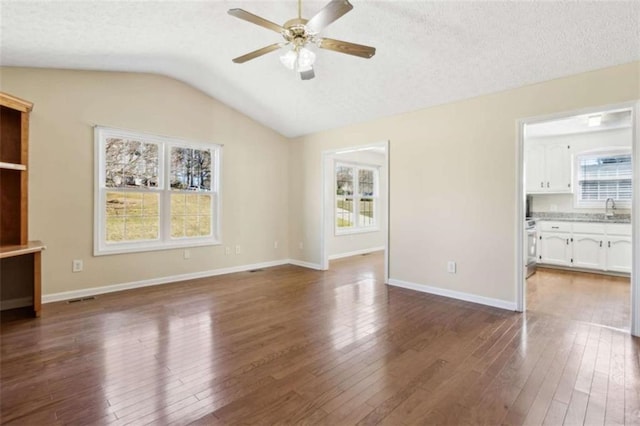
(14, 198)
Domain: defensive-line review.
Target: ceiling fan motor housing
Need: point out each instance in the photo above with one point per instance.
(296, 32)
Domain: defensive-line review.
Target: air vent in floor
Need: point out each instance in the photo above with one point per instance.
(82, 299)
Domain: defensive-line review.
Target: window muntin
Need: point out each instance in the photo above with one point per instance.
(355, 198)
(604, 175)
(146, 203)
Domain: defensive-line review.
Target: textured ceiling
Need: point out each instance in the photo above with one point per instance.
(428, 53)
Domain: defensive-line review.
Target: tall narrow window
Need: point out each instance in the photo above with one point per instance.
(604, 175)
(154, 192)
(356, 198)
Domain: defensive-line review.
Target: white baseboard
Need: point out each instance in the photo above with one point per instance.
(306, 264)
(467, 297)
(86, 292)
(355, 253)
(19, 302)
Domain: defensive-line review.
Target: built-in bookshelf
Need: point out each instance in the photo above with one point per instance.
(14, 200)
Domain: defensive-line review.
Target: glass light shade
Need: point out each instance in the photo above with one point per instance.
(289, 59)
(301, 61)
(306, 58)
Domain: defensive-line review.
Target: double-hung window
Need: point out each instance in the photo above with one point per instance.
(154, 193)
(604, 175)
(356, 198)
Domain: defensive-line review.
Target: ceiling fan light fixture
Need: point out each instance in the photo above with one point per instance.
(289, 59)
(306, 58)
(300, 59)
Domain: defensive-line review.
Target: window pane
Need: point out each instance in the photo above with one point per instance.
(606, 176)
(367, 208)
(132, 216)
(177, 226)
(365, 182)
(190, 169)
(344, 180)
(130, 163)
(190, 215)
(344, 213)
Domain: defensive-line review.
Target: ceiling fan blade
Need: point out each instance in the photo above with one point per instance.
(307, 75)
(331, 12)
(348, 48)
(255, 19)
(252, 55)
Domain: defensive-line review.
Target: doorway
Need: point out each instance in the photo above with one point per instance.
(355, 203)
(575, 175)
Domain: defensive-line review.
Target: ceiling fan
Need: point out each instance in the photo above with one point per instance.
(299, 33)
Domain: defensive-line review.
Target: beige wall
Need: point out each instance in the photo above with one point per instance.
(255, 172)
(452, 180)
(452, 176)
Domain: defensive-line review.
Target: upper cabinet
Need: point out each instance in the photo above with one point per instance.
(548, 168)
(14, 156)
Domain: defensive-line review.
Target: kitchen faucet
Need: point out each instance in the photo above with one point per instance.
(606, 207)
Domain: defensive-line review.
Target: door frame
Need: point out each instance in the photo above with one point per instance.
(520, 280)
(324, 229)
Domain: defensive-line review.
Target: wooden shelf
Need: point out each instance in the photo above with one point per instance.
(20, 259)
(19, 250)
(12, 166)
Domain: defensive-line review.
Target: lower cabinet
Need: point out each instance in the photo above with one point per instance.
(603, 247)
(619, 254)
(555, 248)
(588, 251)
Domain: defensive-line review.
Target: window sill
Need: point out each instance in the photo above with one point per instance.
(355, 231)
(141, 247)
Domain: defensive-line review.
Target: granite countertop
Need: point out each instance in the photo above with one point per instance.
(580, 217)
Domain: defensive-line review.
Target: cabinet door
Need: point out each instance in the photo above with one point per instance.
(534, 169)
(589, 251)
(555, 248)
(619, 254)
(558, 168)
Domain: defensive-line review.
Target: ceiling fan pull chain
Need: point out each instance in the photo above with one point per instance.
(299, 9)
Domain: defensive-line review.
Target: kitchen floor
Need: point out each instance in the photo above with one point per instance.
(592, 298)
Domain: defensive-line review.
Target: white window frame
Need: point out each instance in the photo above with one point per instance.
(591, 204)
(164, 240)
(357, 228)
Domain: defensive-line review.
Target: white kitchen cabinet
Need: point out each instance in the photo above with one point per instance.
(619, 254)
(555, 248)
(548, 168)
(535, 168)
(596, 246)
(588, 251)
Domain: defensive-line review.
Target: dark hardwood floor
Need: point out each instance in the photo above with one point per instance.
(291, 345)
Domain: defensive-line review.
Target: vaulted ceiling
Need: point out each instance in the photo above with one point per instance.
(428, 52)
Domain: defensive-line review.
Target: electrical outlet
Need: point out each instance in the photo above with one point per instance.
(301, 245)
(451, 267)
(238, 249)
(227, 250)
(275, 244)
(187, 254)
(76, 265)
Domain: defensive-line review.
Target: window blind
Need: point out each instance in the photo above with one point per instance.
(605, 176)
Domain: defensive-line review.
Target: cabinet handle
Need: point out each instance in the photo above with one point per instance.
(609, 244)
(567, 241)
(568, 185)
(600, 243)
(555, 227)
(547, 184)
(541, 184)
